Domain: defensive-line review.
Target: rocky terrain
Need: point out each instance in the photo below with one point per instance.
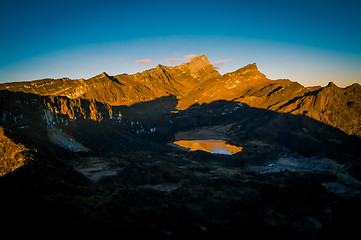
(95, 158)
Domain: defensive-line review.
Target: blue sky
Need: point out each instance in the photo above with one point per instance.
(312, 42)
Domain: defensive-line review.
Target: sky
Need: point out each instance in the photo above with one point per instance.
(311, 42)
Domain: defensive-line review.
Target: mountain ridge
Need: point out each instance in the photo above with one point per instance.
(198, 82)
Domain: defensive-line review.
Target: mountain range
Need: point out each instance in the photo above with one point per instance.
(198, 82)
(97, 158)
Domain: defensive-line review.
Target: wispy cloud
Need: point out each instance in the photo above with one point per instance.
(220, 62)
(144, 61)
(173, 60)
(190, 57)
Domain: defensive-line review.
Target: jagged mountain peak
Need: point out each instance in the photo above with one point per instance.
(198, 63)
(248, 74)
(161, 67)
(102, 75)
(331, 85)
(248, 68)
(200, 58)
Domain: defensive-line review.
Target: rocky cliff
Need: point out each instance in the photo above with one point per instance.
(24, 109)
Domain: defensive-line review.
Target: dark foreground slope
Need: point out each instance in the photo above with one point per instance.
(160, 199)
(296, 176)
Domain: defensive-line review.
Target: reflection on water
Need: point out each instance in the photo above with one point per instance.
(212, 146)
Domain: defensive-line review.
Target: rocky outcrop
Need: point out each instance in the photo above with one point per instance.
(22, 110)
(12, 155)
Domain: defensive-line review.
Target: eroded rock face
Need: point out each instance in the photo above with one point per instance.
(25, 109)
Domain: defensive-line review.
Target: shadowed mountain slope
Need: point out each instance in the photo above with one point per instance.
(129, 184)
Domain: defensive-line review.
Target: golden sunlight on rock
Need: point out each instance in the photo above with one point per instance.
(12, 155)
(211, 146)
